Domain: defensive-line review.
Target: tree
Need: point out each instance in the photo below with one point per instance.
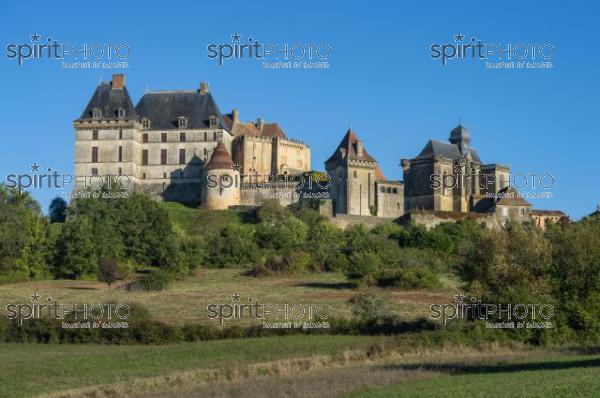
(108, 271)
(58, 210)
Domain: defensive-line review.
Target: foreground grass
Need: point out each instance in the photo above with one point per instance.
(30, 369)
(557, 376)
(186, 300)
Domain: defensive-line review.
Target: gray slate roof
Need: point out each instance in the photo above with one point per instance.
(164, 108)
(446, 150)
(109, 101)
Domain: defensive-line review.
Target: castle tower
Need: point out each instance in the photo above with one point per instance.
(105, 137)
(222, 181)
(461, 137)
(353, 173)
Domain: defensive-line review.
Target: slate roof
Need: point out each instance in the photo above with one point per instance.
(164, 108)
(109, 100)
(460, 133)
(220, 159)
(446, 150)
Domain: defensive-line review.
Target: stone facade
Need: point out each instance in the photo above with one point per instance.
(358, 187)
(177, 146)
(163, 145)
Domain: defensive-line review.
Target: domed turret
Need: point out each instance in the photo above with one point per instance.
(222, 181)
(460, 137)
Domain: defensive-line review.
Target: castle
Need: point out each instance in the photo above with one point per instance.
(178, 146)
(168, 143)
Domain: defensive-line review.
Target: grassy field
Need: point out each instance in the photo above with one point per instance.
(30, 369)
(186, 300)
(557, 376)
(293, 366)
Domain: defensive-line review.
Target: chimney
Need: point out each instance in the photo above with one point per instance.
(236, 115)
(260, 124)
(203, 88)
(118, 81)
(359, 148)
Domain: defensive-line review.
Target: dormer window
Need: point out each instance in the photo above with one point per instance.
(213, 121)
(121, 113)
(96, 113)
(145, 123)
(182, 122)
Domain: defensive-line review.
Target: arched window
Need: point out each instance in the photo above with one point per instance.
(213, 122)
(121, 113)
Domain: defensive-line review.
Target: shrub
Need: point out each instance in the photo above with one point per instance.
(408, 278)
(108, 271)
(362, 264)
(369, 305)
(155, 280)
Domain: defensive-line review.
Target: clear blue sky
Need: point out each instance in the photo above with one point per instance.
(382, 80)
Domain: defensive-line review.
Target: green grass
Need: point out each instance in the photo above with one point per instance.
(186, 300)
(565, 376)
(30, 369)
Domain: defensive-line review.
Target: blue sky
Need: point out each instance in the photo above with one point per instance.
(381, 79)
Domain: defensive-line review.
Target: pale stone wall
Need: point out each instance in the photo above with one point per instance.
(222, 196)
(171, 181)
(266, 156)
(361, 188)
(390, 199)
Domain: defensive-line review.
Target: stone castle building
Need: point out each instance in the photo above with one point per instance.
(166, 143)
(178, 146)
(358, 186)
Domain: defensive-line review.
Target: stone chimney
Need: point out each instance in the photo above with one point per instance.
(359, 148)
(203, 88)
(260, 124)
(118, 81)
(236, 115)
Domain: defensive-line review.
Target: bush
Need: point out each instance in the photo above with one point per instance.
(408, 278)
(290, 262)
(156, 280)
(369, 305)
(361, 265)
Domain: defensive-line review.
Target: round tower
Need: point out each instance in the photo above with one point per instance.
(222, 181)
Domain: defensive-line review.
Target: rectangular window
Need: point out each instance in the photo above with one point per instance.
(95, 135)
(120, 171)
(94, 171)
(181, 137)
(205, 136)
(94, 154)
(120, 154)
(163, 137)
(120, 134)
(145, 137)
(214, 135)
(144, 157)
(182, 156)
(163, 156)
